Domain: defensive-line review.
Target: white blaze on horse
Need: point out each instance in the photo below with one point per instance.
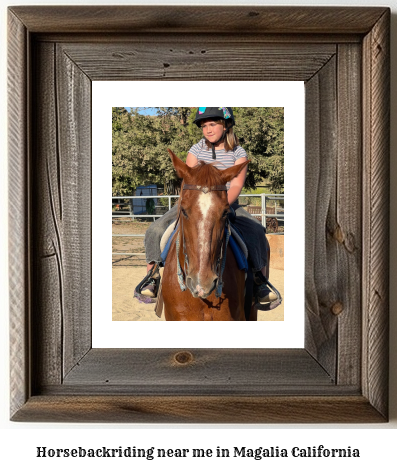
(201, 279)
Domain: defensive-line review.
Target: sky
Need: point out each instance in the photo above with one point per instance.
(148, 111)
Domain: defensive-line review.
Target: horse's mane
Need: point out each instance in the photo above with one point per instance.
(206, 174)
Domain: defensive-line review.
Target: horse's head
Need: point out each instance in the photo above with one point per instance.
(203, 214)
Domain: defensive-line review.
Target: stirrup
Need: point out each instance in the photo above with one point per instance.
(137, 292)
(270, 305)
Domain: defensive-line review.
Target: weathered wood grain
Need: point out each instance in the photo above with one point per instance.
(338, 377)
(19, 224)
(199, 409)
(333, 215)
(48, 302)
(204, 60)
(192, 19)
(223, 369)
(62, 199)
(195, 39)
(321, 279)
(346, 227)
(376, 142)
(73, 90)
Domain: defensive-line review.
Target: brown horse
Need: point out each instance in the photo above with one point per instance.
(199, 246)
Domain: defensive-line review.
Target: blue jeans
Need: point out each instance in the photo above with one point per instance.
(253, 232)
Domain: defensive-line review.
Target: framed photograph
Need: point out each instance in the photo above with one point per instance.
(282, 104)
(340, 374)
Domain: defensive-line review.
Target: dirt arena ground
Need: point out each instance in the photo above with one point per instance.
(128, 271)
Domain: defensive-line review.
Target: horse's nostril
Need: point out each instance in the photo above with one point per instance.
(189, 283)
(194, 287)
(200, 290)
(214, 283)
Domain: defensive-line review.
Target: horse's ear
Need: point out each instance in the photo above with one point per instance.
(233, 171)
(181, 168)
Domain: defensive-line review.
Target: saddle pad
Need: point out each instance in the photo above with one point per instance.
(239, 255)
(165, 237)
(166, 249)
(237, 236)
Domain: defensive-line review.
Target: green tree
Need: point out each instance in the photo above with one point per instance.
(140, 153)
(261, 134)
(123, 181)
(140, 145)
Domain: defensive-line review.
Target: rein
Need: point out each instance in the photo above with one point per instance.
(221, 262)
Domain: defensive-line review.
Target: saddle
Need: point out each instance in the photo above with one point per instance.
(240, 251)
(236, 242)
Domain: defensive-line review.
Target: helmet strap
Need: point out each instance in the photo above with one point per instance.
(213, 151)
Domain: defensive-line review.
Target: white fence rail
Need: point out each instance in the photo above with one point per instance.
(130, 213)
(266, 200)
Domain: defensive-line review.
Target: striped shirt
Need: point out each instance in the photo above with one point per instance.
(223, 159)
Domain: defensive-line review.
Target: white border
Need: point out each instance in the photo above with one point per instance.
(109, 334)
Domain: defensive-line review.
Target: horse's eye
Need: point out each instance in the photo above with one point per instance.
(184, 212)
(225, 213)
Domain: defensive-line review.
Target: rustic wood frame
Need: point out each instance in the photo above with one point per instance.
(343, 56)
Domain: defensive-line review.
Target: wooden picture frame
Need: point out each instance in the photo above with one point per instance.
(342, 54)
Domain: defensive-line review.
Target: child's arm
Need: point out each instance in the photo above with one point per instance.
(236, 185)
(191, 160)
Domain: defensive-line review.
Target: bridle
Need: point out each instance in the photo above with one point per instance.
(221, 262)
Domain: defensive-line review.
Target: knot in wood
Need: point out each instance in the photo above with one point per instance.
(183, 358)
(338, 235)
(337, 308)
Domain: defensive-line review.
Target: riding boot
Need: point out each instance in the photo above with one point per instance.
(266, 296)
(150, 288)
(146, 291)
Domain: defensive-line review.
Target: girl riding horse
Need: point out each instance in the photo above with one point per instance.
(219, 146)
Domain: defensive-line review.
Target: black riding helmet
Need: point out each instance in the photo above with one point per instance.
(225, 113)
